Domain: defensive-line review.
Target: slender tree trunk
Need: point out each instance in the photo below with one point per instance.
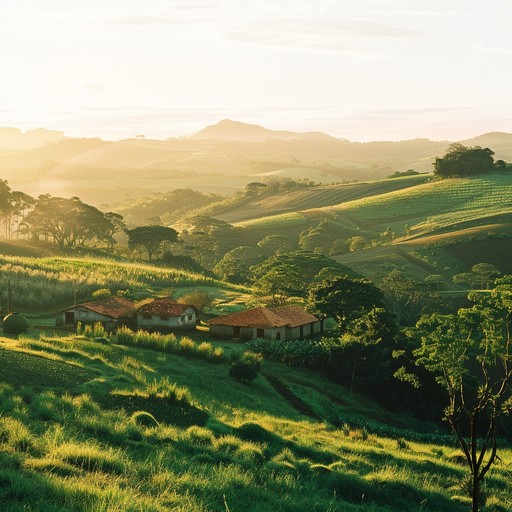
(476, 493)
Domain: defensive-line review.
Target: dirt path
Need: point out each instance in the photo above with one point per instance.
(291, 397)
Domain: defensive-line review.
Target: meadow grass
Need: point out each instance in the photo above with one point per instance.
(42, 284)
(63, 450)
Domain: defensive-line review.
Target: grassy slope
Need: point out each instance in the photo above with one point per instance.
(47, 284)
(453, 211)
(256, 211)
(63, 452)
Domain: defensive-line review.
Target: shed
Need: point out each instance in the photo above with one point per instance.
(285, 323)
(111, 313)
(165, 314)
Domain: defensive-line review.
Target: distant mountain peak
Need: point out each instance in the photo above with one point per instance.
(230, 130)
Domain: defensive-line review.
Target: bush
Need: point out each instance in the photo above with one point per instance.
(244, 372)
(102, 293)
(245, 366)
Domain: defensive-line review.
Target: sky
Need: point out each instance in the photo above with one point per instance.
(356, 69)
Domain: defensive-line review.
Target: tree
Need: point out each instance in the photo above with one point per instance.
(68, 222)
(470, 354)
(361, 359)
(151, 238)
(234, 265)
(407, 298)
(460, 160)
(275, 244)
(344, 299)
(280, 284)
(481, 276)
(306, 264)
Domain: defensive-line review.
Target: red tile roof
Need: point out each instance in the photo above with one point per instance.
(295, 316)
(164, 307)
(266, 318)
(115, 307)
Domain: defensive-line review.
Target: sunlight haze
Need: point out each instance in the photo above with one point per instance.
(360, 70)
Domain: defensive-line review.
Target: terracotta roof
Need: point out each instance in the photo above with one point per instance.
(164, 307)
(115, 307)
(295, 316)
(266, 318)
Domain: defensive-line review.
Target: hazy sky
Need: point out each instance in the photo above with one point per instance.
(358, 69)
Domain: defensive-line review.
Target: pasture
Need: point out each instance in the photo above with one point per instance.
(148, 430)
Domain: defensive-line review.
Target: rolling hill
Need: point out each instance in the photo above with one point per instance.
(439, 227)
(226, 156)
(94, 425)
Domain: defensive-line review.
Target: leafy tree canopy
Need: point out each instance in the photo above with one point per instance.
(470, 354)
(344, 299)
(70, 222)
(460, 160)
(151, 238)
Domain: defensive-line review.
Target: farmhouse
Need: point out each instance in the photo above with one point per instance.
(166, 314)
(286, 323)
(111, 313)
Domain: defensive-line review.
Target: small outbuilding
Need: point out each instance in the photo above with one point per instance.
(165, 315)
(287, 323)
(112, 312)
(15, 323)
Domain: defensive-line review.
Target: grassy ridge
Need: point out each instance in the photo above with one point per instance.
(425, 207)
(273, 209)
(65, 449)
(314, 197)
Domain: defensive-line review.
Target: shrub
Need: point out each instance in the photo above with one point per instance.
(102, 293)
(245, 366)
(244, 372)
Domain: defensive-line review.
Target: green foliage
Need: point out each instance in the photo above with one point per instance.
(246, 367)
(470, 354)
(70, 222)
(151, 238)
(169, 343)
(462, 161)
(290, 274)
(480, 277)
(234, 265)
(344, 299)
(102, 293)
(197, 298)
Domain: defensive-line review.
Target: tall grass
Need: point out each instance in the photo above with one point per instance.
(169, 343)
(66, 452)
(42, 284)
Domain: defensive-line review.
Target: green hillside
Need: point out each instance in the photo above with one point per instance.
(264, 210)
(93, 426)
(47, 284)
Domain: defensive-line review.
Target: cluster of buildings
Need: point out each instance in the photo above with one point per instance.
(167, 315)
